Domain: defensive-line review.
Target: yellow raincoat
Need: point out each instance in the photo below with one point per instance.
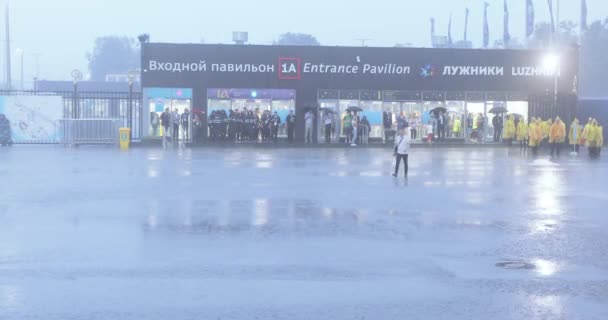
(522, 130)
(592, 136)
(457, 126)
(509, 130)
(585, 133)
(535, 134)
(557, 133)
(546, 128)
(600, 136)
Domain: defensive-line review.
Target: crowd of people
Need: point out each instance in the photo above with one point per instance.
(554, 134)
(171, 123)
(249, 125)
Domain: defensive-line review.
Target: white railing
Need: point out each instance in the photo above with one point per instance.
(90, 131)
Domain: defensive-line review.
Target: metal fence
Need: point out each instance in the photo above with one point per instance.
(89, 131)
(96, 112)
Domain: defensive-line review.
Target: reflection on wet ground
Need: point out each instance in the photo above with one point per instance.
(300, 234)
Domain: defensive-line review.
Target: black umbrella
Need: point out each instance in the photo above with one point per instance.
(328, 110)
(439, 110)
(354, 109)
(497, 110)
(517, 115)
(314, 109)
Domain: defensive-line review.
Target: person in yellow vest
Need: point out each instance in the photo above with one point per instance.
(535, 135)
(546, 127)
(592, 139)
(522, 134)
(600, 139)
(574, 136)
(509, 130)
(585, 132)
(457, 127)
(557, 136)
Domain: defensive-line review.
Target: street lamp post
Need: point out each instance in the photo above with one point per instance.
(551, 64)
(20, 53)
(76, 76)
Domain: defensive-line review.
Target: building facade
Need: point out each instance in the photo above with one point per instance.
(378, 80)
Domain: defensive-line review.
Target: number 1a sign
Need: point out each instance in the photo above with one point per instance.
(289, 68)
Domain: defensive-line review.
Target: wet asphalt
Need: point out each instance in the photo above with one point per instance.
(95, 233)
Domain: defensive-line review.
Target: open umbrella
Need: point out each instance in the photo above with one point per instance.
(328, 110)
(354, 109)
(313, 109)
(439, 110)
(517, 115)
(497, 110)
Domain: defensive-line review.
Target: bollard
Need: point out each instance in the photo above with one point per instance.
(125, 138)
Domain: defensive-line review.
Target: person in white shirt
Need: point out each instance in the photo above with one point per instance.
(309, 117)
(402, 148)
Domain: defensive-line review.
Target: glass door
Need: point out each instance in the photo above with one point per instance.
(329, 113)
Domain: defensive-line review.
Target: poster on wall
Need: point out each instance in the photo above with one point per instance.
(33, 119)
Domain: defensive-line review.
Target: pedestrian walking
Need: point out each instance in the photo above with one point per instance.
(401, 151)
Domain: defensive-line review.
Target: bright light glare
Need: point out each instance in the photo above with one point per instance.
(551, 62)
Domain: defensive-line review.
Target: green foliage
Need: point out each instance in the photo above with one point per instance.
(113, 55)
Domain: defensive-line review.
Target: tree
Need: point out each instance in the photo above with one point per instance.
(113, 55)
(297, 39)
(565, 36)
(594, 65)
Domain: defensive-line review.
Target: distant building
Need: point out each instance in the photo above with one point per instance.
(85, 86)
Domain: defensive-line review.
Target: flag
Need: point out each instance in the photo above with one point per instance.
(552, 18)
(466, 24)
(506, 37)
(450, 31)
(486, 27)
(584, 25)
(529, 18)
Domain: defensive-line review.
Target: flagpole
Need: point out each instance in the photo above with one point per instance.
(7, 47)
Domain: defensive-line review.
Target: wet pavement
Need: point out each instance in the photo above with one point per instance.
(95, 233)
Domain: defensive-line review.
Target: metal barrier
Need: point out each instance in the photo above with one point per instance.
(90, 131)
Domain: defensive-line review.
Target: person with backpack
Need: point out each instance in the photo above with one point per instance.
(402, 148)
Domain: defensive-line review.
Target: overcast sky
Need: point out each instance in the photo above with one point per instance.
(60, 32)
